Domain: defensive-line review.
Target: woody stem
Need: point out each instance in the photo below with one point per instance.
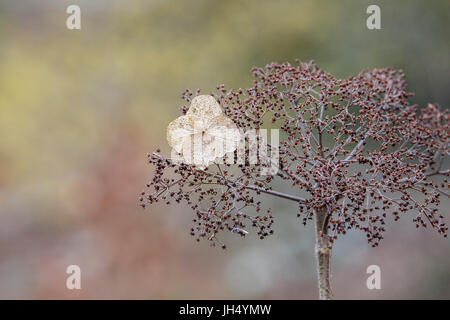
(323, 254)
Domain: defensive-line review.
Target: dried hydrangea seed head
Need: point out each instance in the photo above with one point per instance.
(353, 146)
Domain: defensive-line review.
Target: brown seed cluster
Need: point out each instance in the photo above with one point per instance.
(355, 145)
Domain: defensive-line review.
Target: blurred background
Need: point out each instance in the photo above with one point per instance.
(79, 110)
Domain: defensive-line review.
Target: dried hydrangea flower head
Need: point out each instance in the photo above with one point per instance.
(353, 155)
(203, 134)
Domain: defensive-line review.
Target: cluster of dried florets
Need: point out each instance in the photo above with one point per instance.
(355, 146)
(218, 197)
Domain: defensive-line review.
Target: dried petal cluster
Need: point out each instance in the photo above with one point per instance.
(203, 133)
(355, 146)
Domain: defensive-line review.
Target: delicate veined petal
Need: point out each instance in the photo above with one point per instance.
(177, 130)
(205, 107)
